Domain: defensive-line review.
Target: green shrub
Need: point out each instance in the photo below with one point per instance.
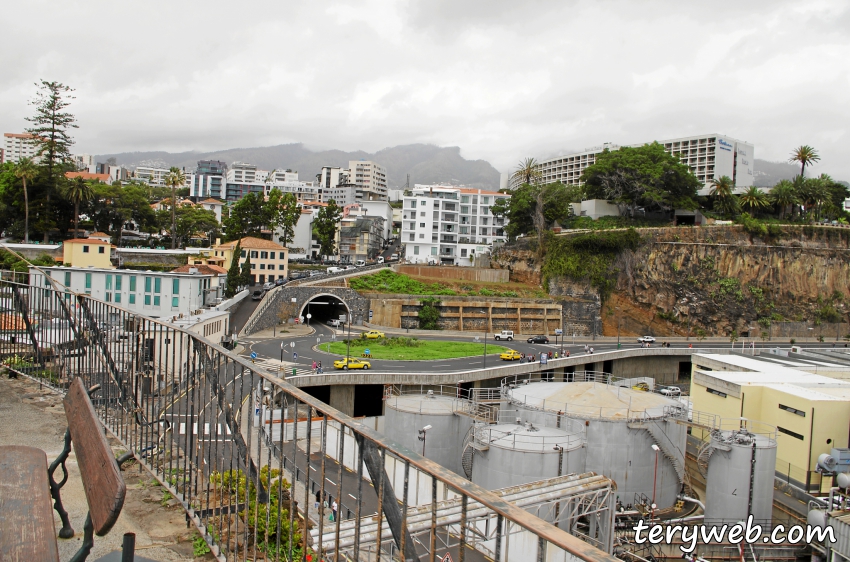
(429, 314)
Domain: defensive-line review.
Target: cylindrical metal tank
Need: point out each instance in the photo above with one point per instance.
(406, 415)
(510, 454)
(622, 425)
(741, 472)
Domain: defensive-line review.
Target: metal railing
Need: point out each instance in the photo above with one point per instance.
(189, 411)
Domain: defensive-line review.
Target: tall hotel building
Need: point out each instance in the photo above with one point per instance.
(708, 157)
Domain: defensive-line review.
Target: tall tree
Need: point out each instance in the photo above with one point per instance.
(806, 156)
(174, 179)
(527, 171)
(51, 131)
(26, 170)
(234, 277)
(783, 195)
(247, 217)
(245, 276)
(77, 191)
(283, 212)
(723, 191)
(521, 208)
(192, 220)
(325, 225)
(645, 177)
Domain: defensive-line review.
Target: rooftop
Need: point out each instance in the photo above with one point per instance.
(105, 178)
(250, 242)
(201, 269)
(86, 241)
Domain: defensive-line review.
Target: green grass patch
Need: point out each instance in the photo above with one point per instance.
(426, 350)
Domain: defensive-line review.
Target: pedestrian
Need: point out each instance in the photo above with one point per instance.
(334, 508)
(318, 499)
(585, 348)
(320, 371)
(690, 346)
(315, 366)
(556, 355)
(568, 353)
(591, 351)
(550, 355)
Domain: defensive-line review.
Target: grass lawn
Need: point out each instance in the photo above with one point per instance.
(427, 351)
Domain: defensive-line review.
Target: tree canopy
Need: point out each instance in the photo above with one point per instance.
(325, 226)
(248, 217)
(641, 177)
(522, 207)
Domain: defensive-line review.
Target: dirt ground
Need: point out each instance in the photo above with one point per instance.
(34, 416)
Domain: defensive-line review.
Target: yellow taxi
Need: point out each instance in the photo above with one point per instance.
(373, 335)
(510, 355)
(642, 386)
(347, 363)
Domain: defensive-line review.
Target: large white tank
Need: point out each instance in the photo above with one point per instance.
(406, 415)
(622, 425)
(518, 450)
(741, 469)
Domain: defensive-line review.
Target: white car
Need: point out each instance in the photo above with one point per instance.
(334, 323)
(335, 269)
(394, 257)
(360, 263)
(268, 286)
(646, 339)
(380, 259)
(671, 391)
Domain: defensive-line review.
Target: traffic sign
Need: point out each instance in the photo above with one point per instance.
(447, 558)
(370, 315)
(366, 351)
(558, 332)
(292, 344)
(309, 316)
(253, 355)
(294, 356)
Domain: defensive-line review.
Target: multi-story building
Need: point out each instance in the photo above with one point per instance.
(243, 179)
(87, 252)
(154, 176)
(269, 260)
(154, 294)
(450, 225)
(17, 146)
(83, 161)
(360, 238)
(370, 177)
(208, 180)
(708, 156)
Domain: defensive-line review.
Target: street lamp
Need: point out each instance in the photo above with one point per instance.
(619, 321)
(422, 434)
(654, 479)
(281, 357)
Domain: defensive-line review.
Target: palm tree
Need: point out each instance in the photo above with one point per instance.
(26, 170)
(754, 199)
(77, 192)
(783, 195)
(722, 189)
(174, 178)
(527, 171)
(806, 156)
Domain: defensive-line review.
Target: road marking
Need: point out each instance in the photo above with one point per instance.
(206, 429)
(331, 481)
(352, 497)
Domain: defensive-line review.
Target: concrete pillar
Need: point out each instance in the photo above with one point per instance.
(460, 317)
(490, 319)
(342, 398)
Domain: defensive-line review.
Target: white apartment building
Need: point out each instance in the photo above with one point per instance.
(708, 156)
(243, 178)
(153, 294)
(152, 176)
(17, 146)
(450, 225)
(370, 177)
(83, 161)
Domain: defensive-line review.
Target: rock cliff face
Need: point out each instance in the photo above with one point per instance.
(715, 279)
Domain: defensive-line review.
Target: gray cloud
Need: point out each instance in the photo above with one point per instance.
(503, 80)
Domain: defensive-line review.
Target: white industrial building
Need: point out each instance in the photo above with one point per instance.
(450, 225)
(708, 156)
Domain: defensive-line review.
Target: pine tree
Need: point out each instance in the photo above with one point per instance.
(234, 277)
(246, 271)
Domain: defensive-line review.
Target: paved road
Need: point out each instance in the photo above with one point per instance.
(243, 311)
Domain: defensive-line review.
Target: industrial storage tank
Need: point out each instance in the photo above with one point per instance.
(523, 447)
(634, 436)
(448, 416)
(741, 458)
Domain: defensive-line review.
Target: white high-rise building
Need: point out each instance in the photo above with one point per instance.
(450, 225)
(153, 176)
(17, 146)
(708, 156)
(370, 177)
(243, 178)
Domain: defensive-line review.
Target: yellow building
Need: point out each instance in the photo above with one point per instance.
(269, 260)
(87, 252)
(811, 412)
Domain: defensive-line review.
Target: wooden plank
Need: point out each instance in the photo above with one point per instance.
(101, 476)
(27, 531)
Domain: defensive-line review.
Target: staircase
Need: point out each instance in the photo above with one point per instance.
(668, 449)
(705, 452)
(470, 445)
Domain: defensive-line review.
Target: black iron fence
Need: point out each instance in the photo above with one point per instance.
(190, 411)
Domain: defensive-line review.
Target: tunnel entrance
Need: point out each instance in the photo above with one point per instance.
(322, 308)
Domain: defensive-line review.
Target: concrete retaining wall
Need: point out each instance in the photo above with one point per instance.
(460, 273)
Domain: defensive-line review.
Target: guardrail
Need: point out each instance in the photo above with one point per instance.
(185, 408)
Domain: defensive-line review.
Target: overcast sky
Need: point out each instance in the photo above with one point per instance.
(501, 79)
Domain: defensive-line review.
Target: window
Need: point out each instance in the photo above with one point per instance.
(421, 225)
(157, 284)
(716, 392)
(421, 236)
(132, 283)
(100, 250)
(156, 301)
(262, 266)
(253, 266)
(790, 433)
(67, 279)
(88, 280)
(244, 253)
(175, 302)
(117, 297)
(412, 237)
(108, 297)
(117, 284)
(795, 411)
(464, 210)
(421, 214)
(147, 285)
(132, 298)
(271, 266)
(433, 250)
(85, 249)
(147, 300)
(416, 250)
(108, 282)
(253, 253)
(464, 199)
(264, 255)
(463, 252)
(175, 286)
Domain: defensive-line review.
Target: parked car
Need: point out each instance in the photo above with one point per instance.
(538, 339)
(349, 267)
(672, 391)
(373, 335)
(360, 263)
(642, 386)
(280, 281)
(510, 355)
(394, 257)
(257, 295)
(352, 363)
(505, 335)
(646, 339)
(267, 285)
(380, 259)
(335, 269)
(334, 323)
